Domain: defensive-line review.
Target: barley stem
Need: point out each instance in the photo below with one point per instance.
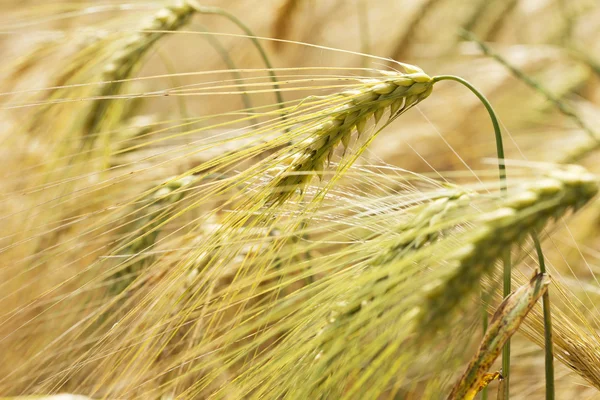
(485, 323)
(548, 349)
(502, 176)
(490, 110)
(506, 349)
(224, 54)
(546, 298)
(506, 321)
(218, 11)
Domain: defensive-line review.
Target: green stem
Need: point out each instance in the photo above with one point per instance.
(506, 349)
(549, 355)
(548, 347)
(503, 187)
(485, 322)
(495, 123)
(224, 54)
(218, 11)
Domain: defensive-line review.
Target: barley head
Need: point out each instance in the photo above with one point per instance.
(396, 92)
(526, 211)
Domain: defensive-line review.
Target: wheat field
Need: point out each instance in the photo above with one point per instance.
(300, 199)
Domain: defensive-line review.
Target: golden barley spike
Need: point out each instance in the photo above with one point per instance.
(396, 92)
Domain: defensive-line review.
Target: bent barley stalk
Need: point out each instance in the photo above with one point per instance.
(525, 212)
(505, 322)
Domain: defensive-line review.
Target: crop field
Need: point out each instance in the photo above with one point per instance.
(299, 199)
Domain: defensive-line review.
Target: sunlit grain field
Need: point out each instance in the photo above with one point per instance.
(300, 199)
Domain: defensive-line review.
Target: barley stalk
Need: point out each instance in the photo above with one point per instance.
(503, 186)
(572, 156)
(548, 351)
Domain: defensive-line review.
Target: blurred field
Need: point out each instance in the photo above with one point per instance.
(147, 253)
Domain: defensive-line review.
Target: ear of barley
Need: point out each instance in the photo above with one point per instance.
(520, 214)
(122, 64)
(505, 322)
(424, 227)
(395, 92)
(155, 213)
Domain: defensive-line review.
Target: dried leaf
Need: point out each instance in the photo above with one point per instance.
(505, 322)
